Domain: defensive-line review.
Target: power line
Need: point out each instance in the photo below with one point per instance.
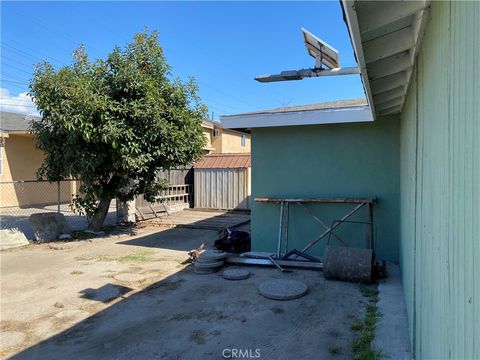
(13, 82)
(57, 32)
(27, 54)
(12, 78)
(16, 61)
(127, 40)
(18, 69)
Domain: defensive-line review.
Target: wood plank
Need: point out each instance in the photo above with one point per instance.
(388, 45)
(375, 14)
(266, 262)
(319, 200)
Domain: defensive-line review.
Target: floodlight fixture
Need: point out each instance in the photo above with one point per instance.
(326, 62)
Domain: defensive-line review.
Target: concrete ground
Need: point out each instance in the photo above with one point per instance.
(391, 336)
(129, 297)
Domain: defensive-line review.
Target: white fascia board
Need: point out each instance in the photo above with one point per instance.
(296, 118)
(354, 30)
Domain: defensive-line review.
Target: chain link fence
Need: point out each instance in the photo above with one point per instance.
(22, 198)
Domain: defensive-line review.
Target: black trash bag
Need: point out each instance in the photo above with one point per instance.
(234, 241)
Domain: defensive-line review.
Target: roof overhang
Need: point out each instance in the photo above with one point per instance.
(386, 37)
(7, 134)
(296, 118)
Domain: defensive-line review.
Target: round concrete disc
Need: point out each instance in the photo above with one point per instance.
(201, 271)
(207, 265)
(283, 289)
(207, 260)
(212, 254)
(235, 274)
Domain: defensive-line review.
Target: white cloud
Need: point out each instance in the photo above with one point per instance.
(21, 103)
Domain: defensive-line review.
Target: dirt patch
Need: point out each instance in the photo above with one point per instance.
(199, 315)
(277, 310)
(169, 285)
(197, 337)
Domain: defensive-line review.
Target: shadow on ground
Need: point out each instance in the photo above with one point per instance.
(178, 238)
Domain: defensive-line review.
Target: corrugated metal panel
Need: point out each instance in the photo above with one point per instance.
(221, 189)
(440, 187)
(224, 161)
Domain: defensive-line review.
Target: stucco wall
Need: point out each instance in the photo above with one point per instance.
(440, 187)
(21, 161)
(342, 160)
(208, 136)
(230, 141)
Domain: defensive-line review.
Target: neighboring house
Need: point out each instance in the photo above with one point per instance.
(415, 145)
(222, 177)
(225, 141)
(19, 163)
(20, 159)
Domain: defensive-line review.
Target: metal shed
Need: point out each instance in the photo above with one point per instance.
(222, 181)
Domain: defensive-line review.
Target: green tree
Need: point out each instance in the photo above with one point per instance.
(114, 123)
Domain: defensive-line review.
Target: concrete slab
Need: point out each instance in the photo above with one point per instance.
(283, 289)
(391, 336)
(197, 219)
(12, 238)
(236, 274)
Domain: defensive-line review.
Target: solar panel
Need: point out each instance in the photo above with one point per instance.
(323, 53)
(326, 63)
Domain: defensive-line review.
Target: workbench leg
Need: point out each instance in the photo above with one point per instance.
(287, 208)
(369, 239)
(280, 228)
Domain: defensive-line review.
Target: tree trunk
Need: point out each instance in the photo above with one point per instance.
(102, 210)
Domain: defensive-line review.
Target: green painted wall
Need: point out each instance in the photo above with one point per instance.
(342, 160)
(440, 187)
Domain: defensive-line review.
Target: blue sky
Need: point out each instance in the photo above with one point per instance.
(224, 45)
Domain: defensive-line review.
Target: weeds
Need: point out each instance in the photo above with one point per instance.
(334, 350)
(362, 345)
(136, 257)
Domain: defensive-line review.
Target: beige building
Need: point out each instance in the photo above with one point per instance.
(19, 163)
(225, 141)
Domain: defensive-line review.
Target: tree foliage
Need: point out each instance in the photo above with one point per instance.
(114, 123)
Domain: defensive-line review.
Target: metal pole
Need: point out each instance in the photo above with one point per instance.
(369, 240)
(280, 230)
(58, 196)
(286, 228)
(116, 209)
(332, 227)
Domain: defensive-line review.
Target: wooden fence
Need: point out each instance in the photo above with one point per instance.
(179, 176)
(179, 192)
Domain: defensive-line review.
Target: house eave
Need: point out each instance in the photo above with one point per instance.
(297, 118)
(386, 37)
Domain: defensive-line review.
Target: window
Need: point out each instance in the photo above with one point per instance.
(244, 140)
(215, 132)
